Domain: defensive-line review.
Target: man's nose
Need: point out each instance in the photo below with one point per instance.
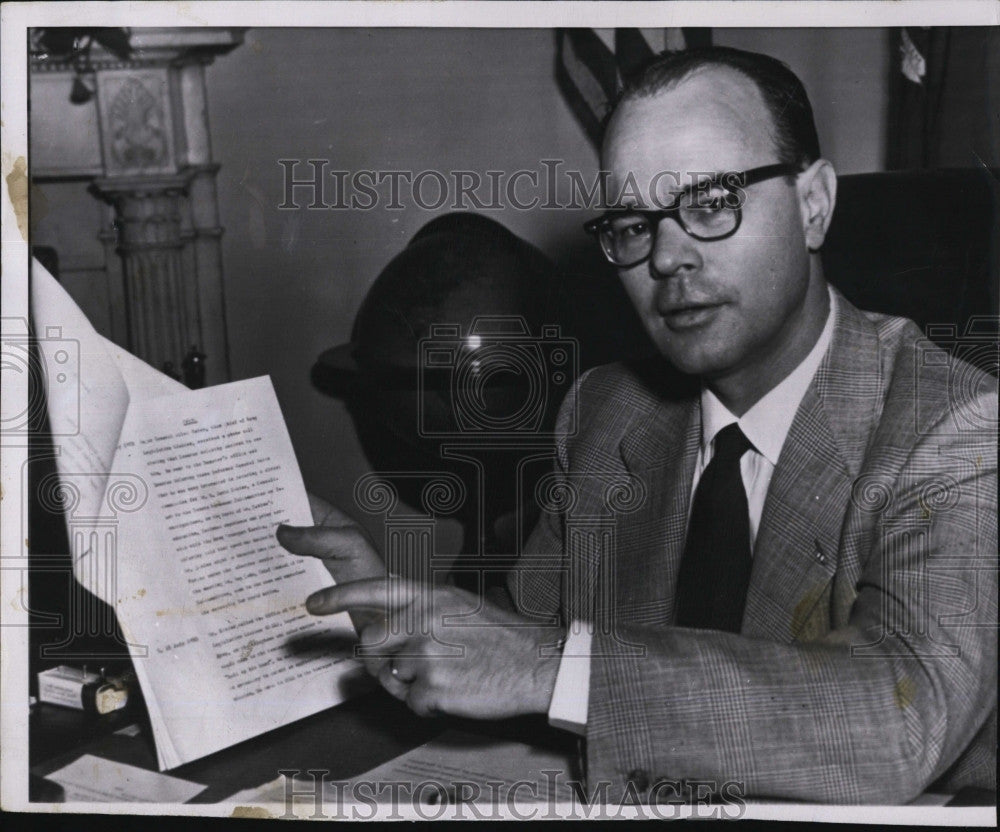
(674, 251)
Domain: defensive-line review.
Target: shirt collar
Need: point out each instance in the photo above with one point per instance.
(767, 423)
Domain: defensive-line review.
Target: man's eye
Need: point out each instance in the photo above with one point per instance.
(630, 228)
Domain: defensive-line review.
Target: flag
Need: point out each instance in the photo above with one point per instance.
(592, 65)
(943, 94)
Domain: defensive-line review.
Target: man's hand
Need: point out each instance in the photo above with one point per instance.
(444, 650)
(345, 549)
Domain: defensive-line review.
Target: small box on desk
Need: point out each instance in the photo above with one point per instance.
(72, 687)
(65, 685)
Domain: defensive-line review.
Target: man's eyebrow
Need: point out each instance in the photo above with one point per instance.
(704, 178)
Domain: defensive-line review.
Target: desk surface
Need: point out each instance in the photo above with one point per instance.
(345, 741)
(348, 740)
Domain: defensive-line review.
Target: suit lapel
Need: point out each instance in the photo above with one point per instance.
(795, 554)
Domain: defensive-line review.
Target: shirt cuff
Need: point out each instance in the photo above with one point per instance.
(571, 694)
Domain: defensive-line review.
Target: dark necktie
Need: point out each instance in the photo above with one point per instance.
(715, 569)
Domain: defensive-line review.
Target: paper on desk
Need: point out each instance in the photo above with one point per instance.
(456, 766)
(91, 779)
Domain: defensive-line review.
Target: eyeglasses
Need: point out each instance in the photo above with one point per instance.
(710, 209)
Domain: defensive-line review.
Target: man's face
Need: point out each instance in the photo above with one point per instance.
(727, 306)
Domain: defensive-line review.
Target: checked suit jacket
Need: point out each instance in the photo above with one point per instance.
(865, 669)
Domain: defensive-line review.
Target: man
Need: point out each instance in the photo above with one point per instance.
(791, 580)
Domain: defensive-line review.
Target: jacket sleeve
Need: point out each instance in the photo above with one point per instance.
(535, 585)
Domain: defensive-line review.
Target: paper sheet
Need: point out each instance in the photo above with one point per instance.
(205, 585)
(92, 779)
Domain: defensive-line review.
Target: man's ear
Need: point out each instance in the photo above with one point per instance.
(817, 186)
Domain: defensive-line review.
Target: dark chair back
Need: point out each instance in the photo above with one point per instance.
(921, 244)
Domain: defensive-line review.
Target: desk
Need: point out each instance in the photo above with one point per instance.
(346, 741)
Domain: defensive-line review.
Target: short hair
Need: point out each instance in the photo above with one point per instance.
(795, 138)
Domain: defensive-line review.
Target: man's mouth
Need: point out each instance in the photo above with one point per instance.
(689, 315)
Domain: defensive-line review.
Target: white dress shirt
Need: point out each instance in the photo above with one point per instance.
(766, 425)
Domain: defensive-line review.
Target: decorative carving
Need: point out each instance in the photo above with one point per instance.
(136, 121)
(138, 137)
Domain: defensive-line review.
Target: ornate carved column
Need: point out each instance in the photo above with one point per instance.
(162, 318)
(156, 170)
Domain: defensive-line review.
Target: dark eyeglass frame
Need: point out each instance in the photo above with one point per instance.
(654, 217)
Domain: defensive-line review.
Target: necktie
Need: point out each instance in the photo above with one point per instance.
(715, 569)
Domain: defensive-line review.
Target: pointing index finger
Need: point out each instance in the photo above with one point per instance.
(379, 595)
